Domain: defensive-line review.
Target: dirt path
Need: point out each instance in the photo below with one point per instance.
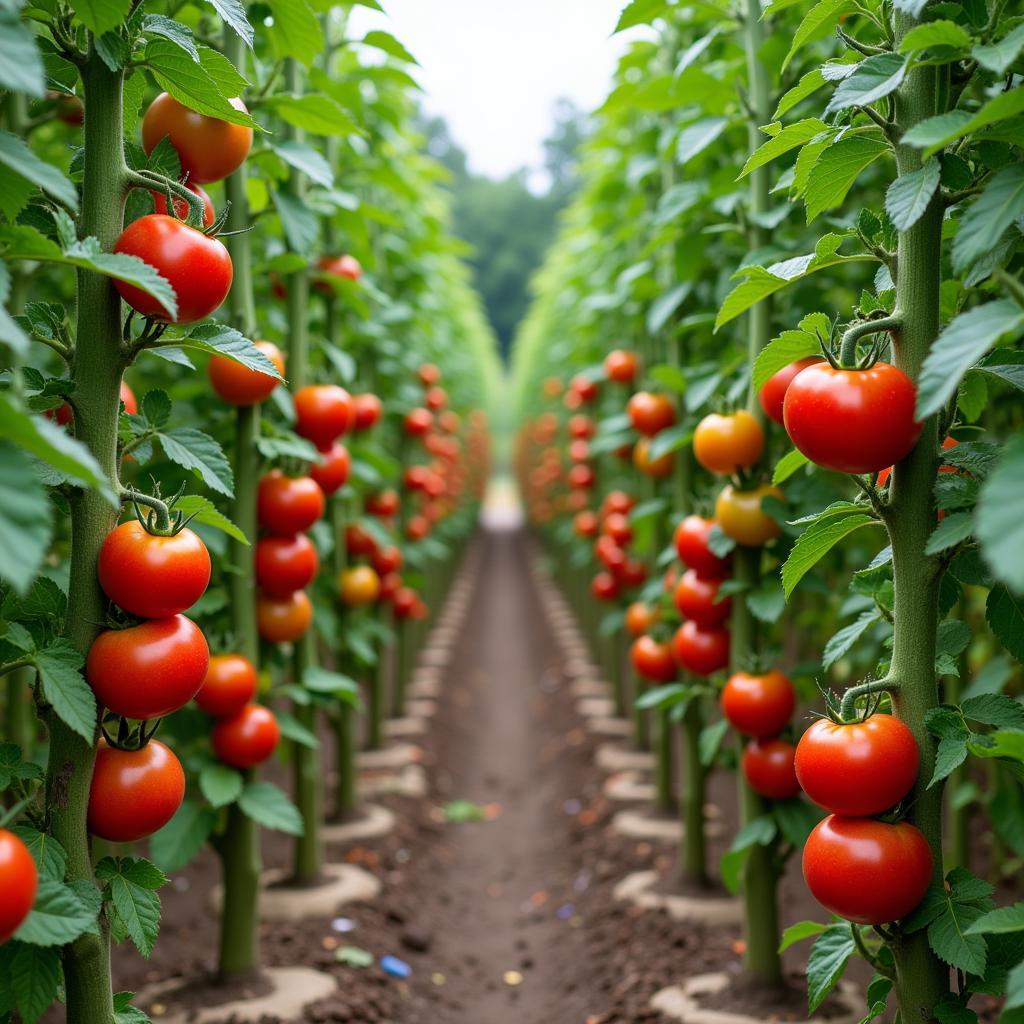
(502, 928)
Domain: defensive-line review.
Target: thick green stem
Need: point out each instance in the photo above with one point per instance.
(693, 850)
(344, 719)
(19, 724)
(664, 798)
(612, 658)
(641, 718)
(96, 371)
(922, 979)
(241, 867)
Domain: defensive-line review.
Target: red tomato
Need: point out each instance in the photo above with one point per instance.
(616, 526)
(691, 541)
(70, 110)
(650, 413)
(585, 524)
(449, 422)
(758, 705)
(579, 450)
(658, 468)
(582, 427)
(604, 586)
(128, 399)
(950, 442)
(323, 412)
(727, 444)
(741, 517)
(581, 476)
(134, 793)
(865, 870)
(415, 478)
(237, 384)
(609, 553)
(389, 586)
(418, 422)
(248, 738)
(640, 618)
(852, 421)
(701, 651)
(404, 602)
(181, 207)
(358, 586)
(428, 374)
(19, 879)
(653, 660)
(387, 560)
(774, 391)
(768, 767)
(859, 769)
(153, 576)
(436, 398)
(286, 505)
(210, 149)
(368, 409)
(417, 527)
(281, 620)
(633, 573)
(345, 266)
(196, 266)
(620, 366)
(383, 504)
(695, 599)
(229, 685)
(285, 564)
(584, 387)
(149, 670)
(617, 501)
(358, 542)
(331, 472)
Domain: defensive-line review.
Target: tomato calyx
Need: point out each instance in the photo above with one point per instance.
(874, 690)
(162, 519)
(876, 323)
(130, 738)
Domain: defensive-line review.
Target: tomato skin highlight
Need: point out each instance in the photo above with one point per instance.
(237, 384)
(604, 586)
(134, 793)
(229, 685)
(248, 738)
(768, 767)
(332, 471)
(196, 266)
(852, 421)
(418, 421)
(695, 599)
(772, 395)
(149, 670)
(865, 870)
(210, 149)
(283, 619)
(19, 879)
(701, 651)
(741, 517)
(285, 564)
(691, 541)
(759, 706)
(621, 366)
(152, 576)
(859, 769)
(288, 505)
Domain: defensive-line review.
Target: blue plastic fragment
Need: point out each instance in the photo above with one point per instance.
(395, 967)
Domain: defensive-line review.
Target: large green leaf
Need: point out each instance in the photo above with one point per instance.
(832, 175)
(101, 16)
(816, 541)
(25, 518)
(989, 217)
(15, 154)
(295, 30)
(21, 67)
(875, 77)
(909, 195)
(1000, 526)
(783, 140)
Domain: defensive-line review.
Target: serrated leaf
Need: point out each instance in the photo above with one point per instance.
(815, 542)
(948, 938)
(1004, 613)
(935, 33)
(997, 57)
(821, 18)
(192, 449)
(232, 12)
(829, 956)
(844, 639)
(953, 530)
(25, 526)
(220, 784)
(798, 932)
(182, 837)
(790, 137)
(936, 132)
(21, 66)
(908, 196)
(780, 352)
(1001, 921)
(204, 511)
(58, 916)
(834, 172)
(49, 855)
(788, 465)
(35, 976)
(1000, 204)
(268, 806)
(16, 155)
(101, 16)
(1000, 528)
(874, 77)
(131, 886)
(65, 689)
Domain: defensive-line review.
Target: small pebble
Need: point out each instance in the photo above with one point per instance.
(572, 807)
(512, 978)
(565, 911)
(395, 967)
(343, 924)
(353, 956)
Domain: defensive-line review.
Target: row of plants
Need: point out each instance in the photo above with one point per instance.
(770, 394)
(243, 443)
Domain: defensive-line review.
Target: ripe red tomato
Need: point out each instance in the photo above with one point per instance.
(650, 413)
(210, 149)
(134, 793)
(701, 651)
(404, 602)
(774, 391)
(579, 450)
(727, 444)
(585, 524)
(866, 870)
(428, 374)
(852, 421)
(70, 110)
(181, 207)
(383, 504)
(609, 553)
(632, 573)
(620, 366)
(691, 541)
(585, 388)
(389, 586)
(285, 564)
(332, 471)
(131, 406)
(616, 526)
(617, 501)
(358, 542)
(859, 769)
(582, 427)
(196, 266)
(323, 412)
(358, 586)
(604, 586)
(768, 767)
(758, 705)
(237, 384)
(417, 527)
(229, 685)
(345, 266)
(741, 517)
(19, 879)
(248, 738)
(658, 468)
(950, 442)
(153, 576)
(387, 560)
(418, 422)
(283, 619)
(436, 398)
(695, 599)
(415, 478)
(653, 660)
(640, 617)
(368, 409)
(286, 505)
(149, 670)
(581, 476)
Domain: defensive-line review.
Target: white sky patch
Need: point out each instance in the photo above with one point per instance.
(494, 68)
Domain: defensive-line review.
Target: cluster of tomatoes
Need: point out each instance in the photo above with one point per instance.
(612, 534)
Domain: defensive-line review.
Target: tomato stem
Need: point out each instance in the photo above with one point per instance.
(848, 707)
(864, 329)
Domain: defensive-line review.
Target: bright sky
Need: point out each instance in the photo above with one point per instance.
(493, 68)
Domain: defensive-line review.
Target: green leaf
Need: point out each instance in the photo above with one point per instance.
(834, 172)
(997, 709)
(322, 680)
(964, 340)
(937, 132)
(819, 20)
(1004, 613)
(295, 30)
(307, 160)
(125, 1013)
(204, 511)
(949, 939)
(935, 33)
(386, 42)
(1001, 921)
(232, 13)
(131, 886)
(767, 602)
(952, 530)
(294, 730)
(194, 450)
(226, 341)
(175, 31)
(875, 77)
(788, 465)
(663, 696)
(640, 12)
(798, 932)
(830, 954)
(182, 837)
(313, 113)
(997, 57)
(808, 85)
(300, 223)
(711, 737)
(787, 348)
(63, 686)
(220, 784)
(782, 141)
(58, 916)
(844, 639)
(21, 67)
(15, 155)
(665, 305)
(49, 855)
(268, 806)
(908, 196)
(989, 216)
(815, 542)
(25, 527)
(696, 137)
(101, 16)
(1000, 528)
(35, 976)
